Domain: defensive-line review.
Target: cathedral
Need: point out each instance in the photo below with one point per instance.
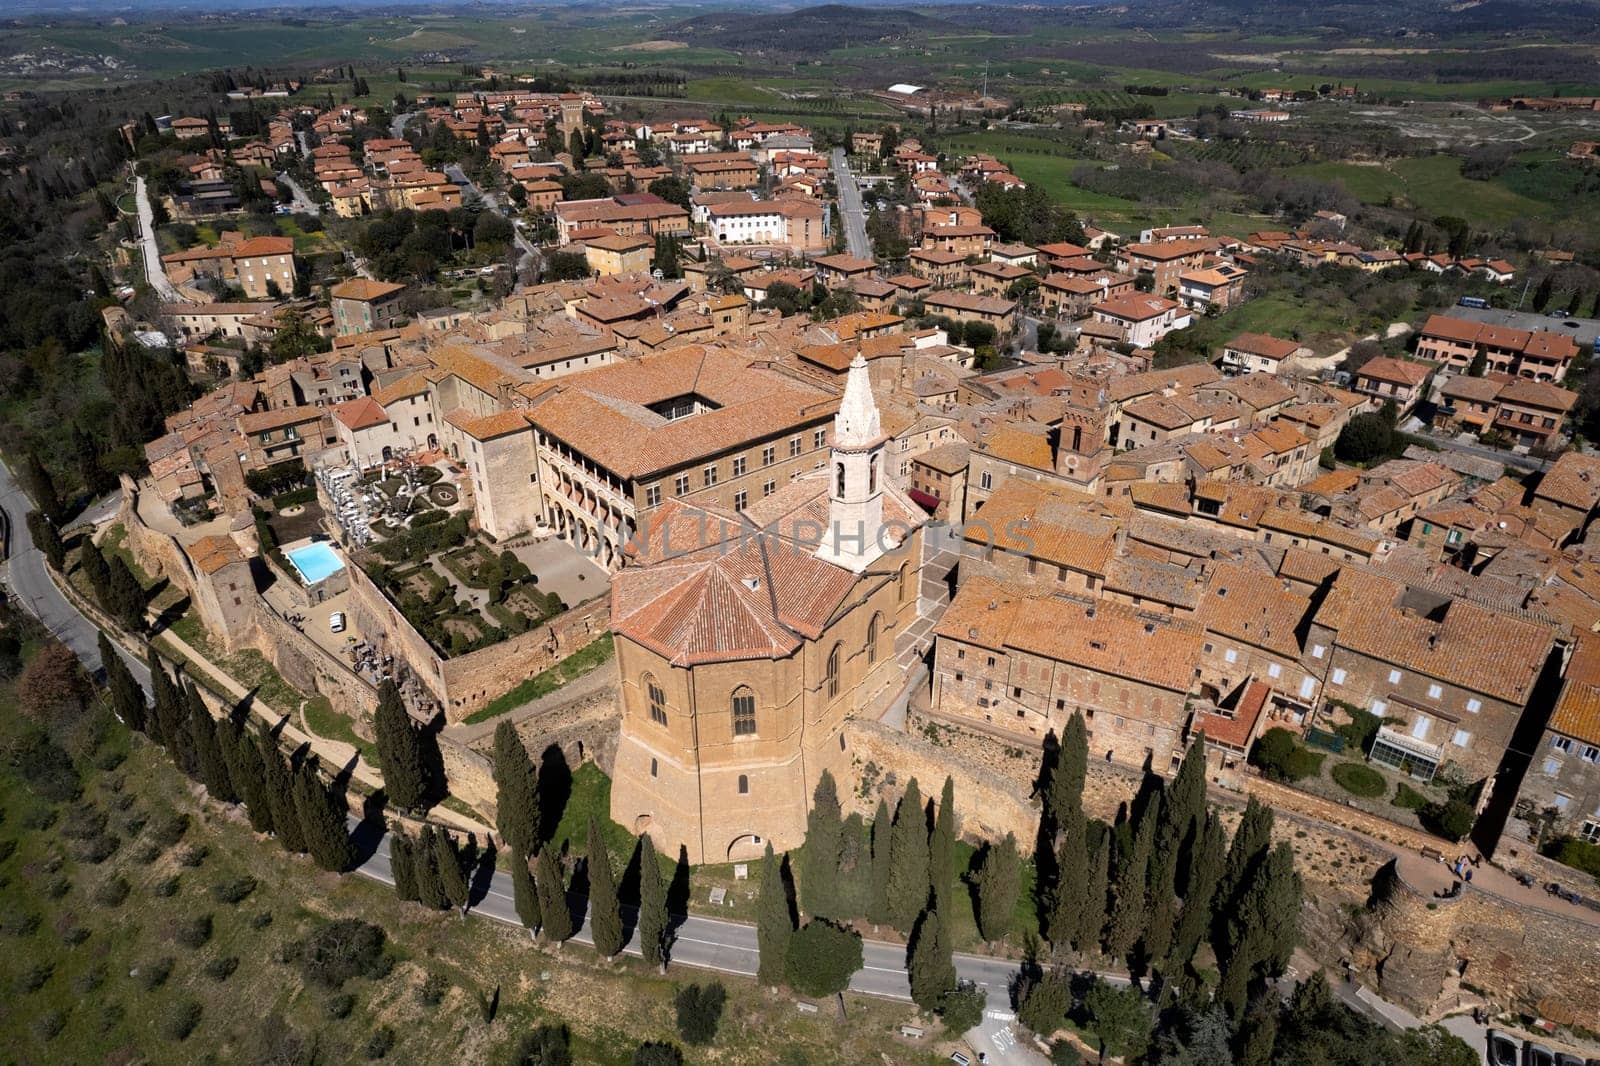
(746, 639)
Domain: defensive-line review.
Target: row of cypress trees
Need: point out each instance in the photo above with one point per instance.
(284, 795)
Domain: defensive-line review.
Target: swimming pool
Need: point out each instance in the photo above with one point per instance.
(315, 561)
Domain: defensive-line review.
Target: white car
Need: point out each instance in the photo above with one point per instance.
(336, 622)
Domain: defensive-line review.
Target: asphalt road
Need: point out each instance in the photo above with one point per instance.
(302, 202)
(154, 271)
(850, 210)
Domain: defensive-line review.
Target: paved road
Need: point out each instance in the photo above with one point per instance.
(850, 210)
(470, 189)
(154, 271)
(25, 574)
(302, 202)
(397, 128)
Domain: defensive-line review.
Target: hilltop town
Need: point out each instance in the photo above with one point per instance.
(749, 475)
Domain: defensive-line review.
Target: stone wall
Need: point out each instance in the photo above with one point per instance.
(157, 553)
(309, 667)
(1531, 960)
(584, 730)
(466, 683)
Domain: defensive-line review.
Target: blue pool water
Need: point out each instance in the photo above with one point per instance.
(315, 562)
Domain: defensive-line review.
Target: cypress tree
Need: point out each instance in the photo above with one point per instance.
(1070, 899)
(523, 891)
(1128, 911)
(95, 572)
(167, 710)
(405, 779)
(605, 914)
(246, 772)
(999, 881)
(552, 899)
(878, 892)
(183, 749)
(1258, 1033)
(128, 598)
(452, 872)
(1064, 790)
(127, 698)
(402, 866)
(1261, 930)
(1183, 810)
(942, 851)
(1250, 843)
(516, 791)
(774, 922)
(280, 793)
(47, 540)
(1205, 872)
(37, 480)
(819, 862)
(654, 922)
(425, 870)
(322, 820)
(1161, 909)
(930, 967)
(208, 755)
(908, 870)
(1092, 921)
(853, 888)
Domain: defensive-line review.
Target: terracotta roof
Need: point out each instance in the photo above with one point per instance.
(1262, 344)
(212, 553)
(1395, 371)
(1236, 729)
(1253, 606)
(360, 413)
(1136, 307)
(410, 385)
(364, 289)
(1573, 481)
(1055, 524)
(264, 421)
(1014, 444)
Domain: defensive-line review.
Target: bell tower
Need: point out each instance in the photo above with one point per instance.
(855, 479)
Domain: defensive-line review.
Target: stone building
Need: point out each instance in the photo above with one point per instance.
(746, 637)
(1563, 781)
(223, 587)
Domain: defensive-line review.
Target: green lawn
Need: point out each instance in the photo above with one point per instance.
(324, 721)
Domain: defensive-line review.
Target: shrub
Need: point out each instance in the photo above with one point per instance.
(147, 853)
(1452, 819)
(432, 989)
(193, 855)
(656, 1053)
(1364, 439)
(134, 824)
(1360, 780)
(220, 969)
(1281, 759)
(1062, 1053)
(262, 920)
(1409, 798)
(84, 821)
(193, 933)
(154, 974)
(233, 891)
(340, 950)
(73, 935)
(821, 959)
(15, 921)
(90, 980)
(380, 1043)
(167, 887)
(1578, 854)
(1359, 731)
(8, 847)
(181, 1020)
(32, 978)
(57, 887)
(962, 1009)
(700, 1011)
(99, 849)
(112, 892)
(169, 830)
(340, 1004)
(1045, 1003)
(48, 1025)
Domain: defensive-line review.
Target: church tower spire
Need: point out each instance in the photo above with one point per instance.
(855, 484)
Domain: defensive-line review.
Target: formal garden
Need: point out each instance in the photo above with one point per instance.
(454, 587)
(1333, 764)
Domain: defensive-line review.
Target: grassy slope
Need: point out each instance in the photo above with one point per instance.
(105, 1014)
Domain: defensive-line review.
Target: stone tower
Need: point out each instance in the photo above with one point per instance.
(855, 484)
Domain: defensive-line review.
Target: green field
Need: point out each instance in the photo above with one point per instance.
(1434, 186)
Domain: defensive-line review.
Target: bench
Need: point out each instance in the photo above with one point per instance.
(1433, 853)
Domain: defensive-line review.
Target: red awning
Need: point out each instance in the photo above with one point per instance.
(930, 502)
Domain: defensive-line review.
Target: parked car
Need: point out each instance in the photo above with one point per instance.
(336, 622)
(1502, 1049)
(1563, 1059)
(1537, 1055)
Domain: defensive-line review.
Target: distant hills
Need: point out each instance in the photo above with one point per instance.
(806, 31)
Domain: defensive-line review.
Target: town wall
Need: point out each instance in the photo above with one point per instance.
(466, 683)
